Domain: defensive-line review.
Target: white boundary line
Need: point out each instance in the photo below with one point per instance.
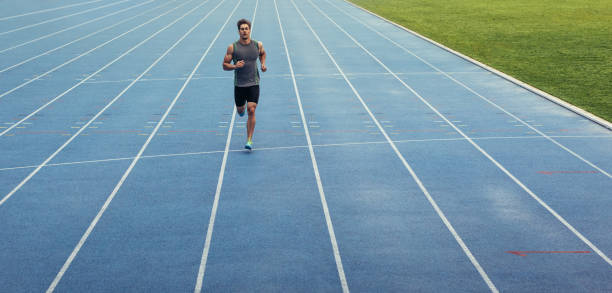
(433, 203)
(489, 101)
(295, 147)
(291, 147)
(85, 126)
(215, 206)
(59, 18)
(328, 220)
(67, 29)
(92, 74)
(524, 85)
(500, 166)
(47, 10)
(136, 159)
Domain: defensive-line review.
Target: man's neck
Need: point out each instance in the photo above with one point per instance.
(245, 42)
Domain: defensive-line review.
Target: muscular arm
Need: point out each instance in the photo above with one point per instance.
(227, 60)
(262, 57)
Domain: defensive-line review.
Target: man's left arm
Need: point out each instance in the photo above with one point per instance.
(262, 57)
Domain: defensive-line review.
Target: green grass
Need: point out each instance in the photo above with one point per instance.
(563, 47)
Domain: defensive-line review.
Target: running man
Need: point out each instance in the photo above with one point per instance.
(243, 54)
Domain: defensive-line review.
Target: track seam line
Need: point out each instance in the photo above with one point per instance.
(93, 224)
(328, 220)
(289, 147)
(433, 203)
(67, 29)
(278, 76)
(92, 74)
(59, 18)
(217, 197)
(47, 10)
(487, 155)
(92, 119)
(491, 102)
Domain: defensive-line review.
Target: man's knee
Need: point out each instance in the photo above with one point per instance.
(251, 108)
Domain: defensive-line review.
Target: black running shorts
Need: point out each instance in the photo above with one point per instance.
(246, 94)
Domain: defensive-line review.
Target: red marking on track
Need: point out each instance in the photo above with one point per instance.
(115, 131)
(188, 130)
(567, 172)
(421, 130)
(497, 130)
(43, 132)
(524, 253)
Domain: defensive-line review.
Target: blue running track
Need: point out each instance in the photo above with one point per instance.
(382, 161)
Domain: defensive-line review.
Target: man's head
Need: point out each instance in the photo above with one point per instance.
(244, 29)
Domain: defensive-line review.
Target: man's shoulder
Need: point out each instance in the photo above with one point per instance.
(230, 47)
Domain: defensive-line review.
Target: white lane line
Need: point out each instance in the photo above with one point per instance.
(81, 129)
(215, 206)
(93, 74)
(62, 17)
(65, 30)
(47, 10)
(485, 98)
(38, 76)
(93, 224)
(213, 215)
(500, 166)
(328, 220)
(299, 146)
(85, 37)
(441, 214)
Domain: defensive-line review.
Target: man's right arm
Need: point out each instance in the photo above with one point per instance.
(227, 60)
(227, 65)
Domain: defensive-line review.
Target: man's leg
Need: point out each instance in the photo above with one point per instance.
(241, 110)
(251, 121)
(252, 100)
(240, 100)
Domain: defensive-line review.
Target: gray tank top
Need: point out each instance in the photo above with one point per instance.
(248, 75)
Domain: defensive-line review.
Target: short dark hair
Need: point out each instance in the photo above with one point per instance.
(244, 21)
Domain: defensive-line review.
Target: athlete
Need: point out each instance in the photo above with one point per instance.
(241, 56)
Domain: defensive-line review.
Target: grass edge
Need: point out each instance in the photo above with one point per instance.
(573, 108)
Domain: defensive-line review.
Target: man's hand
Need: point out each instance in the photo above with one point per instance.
(262, 57)
(239, 64)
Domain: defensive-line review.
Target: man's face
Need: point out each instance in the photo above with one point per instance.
(244, 31)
